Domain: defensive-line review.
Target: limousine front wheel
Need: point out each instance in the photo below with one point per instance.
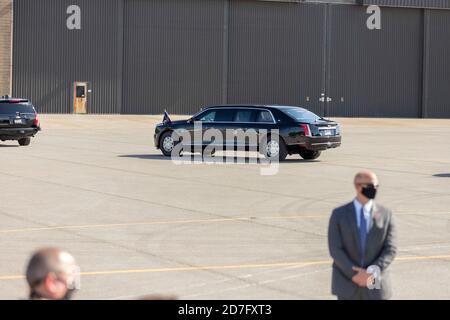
(309, 154)
(275, 149)
(167, 144)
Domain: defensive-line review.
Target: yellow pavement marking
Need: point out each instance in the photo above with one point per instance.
(203, 268)
(229, 267)
(419, 258)
(11, 278)
(193, 221)
(169, 222)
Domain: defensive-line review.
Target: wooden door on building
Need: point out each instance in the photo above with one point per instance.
(80, 97)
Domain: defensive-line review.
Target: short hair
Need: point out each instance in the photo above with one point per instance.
(43, 262)
(362, 174)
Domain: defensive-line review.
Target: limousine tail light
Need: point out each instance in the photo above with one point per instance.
(306, 130)
(36, 120)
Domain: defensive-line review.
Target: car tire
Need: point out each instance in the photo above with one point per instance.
(24, 141)
(309, 154)
(166, 143)
(273, 144)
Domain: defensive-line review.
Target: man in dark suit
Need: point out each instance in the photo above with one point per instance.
(362, 243)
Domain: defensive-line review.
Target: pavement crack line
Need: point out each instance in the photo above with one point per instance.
(188, 180)
(186, 265)
(158, 203)
(188, 268)
(234, 188)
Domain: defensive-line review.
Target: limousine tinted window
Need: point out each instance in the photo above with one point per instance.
(216, 115)
(264, 116)
(208, 116)
(224, 115)
(244, 116)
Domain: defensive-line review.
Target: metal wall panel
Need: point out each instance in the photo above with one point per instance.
(276, 53)
(5, 46)
(173, 56)
(375, 73)
(437, 65)
(144, 56)
(48, 57)
(442, 4)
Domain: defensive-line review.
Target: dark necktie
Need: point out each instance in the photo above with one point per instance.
(362, 235)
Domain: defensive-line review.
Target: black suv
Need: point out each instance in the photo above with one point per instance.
(299, 130)
(18, 120)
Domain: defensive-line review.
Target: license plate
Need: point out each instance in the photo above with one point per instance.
(327, 132)
(18, 121)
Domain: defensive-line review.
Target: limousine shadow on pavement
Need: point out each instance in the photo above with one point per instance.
(7, 146)
(145, 156)
(221, 159)
(441, 175)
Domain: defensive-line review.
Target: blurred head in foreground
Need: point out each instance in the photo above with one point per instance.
(52, 274)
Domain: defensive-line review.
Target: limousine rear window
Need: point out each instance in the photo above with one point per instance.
(13, 108)
(301, 114)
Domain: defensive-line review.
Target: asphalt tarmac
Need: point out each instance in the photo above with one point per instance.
(140, 224)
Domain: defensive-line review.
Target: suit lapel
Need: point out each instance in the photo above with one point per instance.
(376, 219)
(351, 217)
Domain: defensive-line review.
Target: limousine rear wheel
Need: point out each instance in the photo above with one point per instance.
(309, 154)
(275, 149)
(24, 141)
(167, 143)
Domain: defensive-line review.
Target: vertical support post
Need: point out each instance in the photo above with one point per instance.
(226, 23)
(425, 63)
(328, 32)
(120, 54)
(12, 50)
(323, 93)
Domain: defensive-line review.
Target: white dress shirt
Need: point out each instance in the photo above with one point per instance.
(367, 213)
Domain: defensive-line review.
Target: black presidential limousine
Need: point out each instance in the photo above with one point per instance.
(298, 131)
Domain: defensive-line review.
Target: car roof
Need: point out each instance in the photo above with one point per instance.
(11, 99)
(269, 106)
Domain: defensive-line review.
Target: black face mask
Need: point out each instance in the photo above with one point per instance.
(370, 191)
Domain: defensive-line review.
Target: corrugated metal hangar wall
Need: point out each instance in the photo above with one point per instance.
(144, 56)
